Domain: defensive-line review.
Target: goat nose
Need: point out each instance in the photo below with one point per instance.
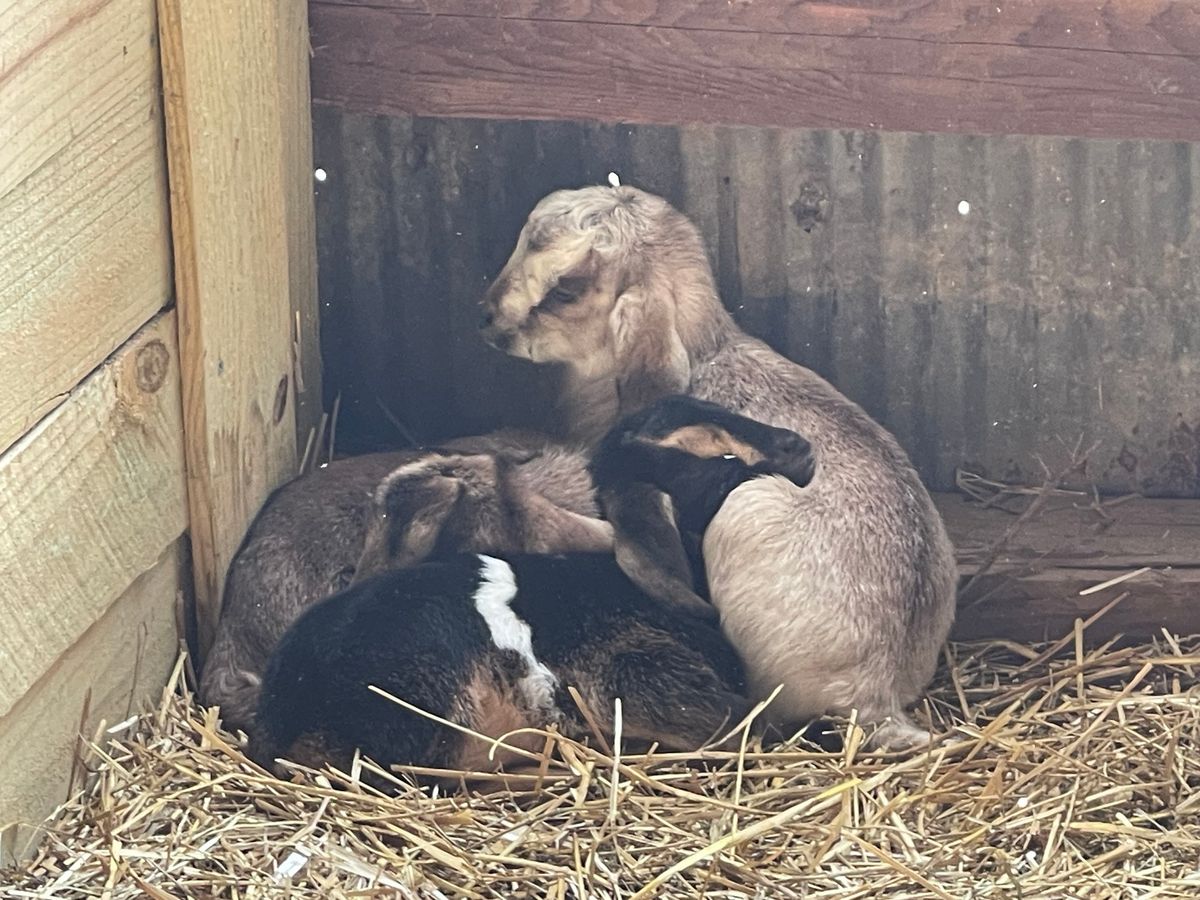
(499, 339)
(488, 319)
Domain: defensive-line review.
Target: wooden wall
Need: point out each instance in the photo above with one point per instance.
(1062, 302)
(146, 383)
(241, 213)
(92, 502)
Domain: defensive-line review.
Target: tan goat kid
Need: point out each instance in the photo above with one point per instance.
(842, 591)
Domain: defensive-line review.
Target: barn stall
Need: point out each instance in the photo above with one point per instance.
(976, 221)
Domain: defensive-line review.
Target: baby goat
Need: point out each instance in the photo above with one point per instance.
(509, 491)
(696, 453)
(844, 590)
(491, 644)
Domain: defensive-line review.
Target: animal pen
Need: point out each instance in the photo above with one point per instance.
(978, 221)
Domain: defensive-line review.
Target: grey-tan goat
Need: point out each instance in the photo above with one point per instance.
(842, 591)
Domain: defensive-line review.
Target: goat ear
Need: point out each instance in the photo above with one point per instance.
(392, 543)
(649, 549)
(651, 358)
(552, 529)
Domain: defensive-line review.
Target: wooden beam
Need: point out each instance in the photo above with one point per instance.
(88, 501)
(295, 105)
(1071, 533)
(234, 214)
(1044, 605)
(1033, 590)
(83, 197)
(1132, 70)
(1147, 27)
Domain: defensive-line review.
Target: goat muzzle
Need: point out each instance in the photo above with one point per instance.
(494, 336)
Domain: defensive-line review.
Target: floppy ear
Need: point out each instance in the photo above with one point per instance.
(649, 549)
(651, 360)
(395, 543)
(552, 529)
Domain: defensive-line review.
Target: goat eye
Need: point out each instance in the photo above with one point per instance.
(560, 296)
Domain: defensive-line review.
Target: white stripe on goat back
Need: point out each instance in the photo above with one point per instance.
(497, 588)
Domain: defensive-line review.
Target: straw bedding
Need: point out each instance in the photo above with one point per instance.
(1063, 774)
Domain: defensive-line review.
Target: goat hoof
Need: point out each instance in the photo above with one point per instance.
(899, 735)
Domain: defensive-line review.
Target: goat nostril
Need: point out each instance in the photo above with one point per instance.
(488, 319)
(499, 340)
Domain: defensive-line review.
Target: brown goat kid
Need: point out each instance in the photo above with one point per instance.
(842, 591)
(510, 491)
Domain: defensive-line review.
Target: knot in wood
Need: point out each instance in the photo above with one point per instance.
(151, 365)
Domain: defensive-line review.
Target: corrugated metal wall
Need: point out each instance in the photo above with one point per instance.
(991, 299)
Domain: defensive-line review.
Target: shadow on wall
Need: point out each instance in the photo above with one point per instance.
(990, 299)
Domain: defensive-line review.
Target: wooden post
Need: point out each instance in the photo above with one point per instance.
(240, 219)
(295, 110)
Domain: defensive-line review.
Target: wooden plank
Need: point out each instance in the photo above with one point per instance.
(1044, 606)
(1068, 533)
(1132, 25)
(1032, 592)
(295, 109)
(89, 224)
(115, 667)
(230, 218)
(88, 501)
(66, 65)
(949, 65)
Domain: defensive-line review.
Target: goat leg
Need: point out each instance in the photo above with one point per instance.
(649, 549)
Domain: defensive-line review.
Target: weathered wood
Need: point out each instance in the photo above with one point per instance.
(1044, 606)
(88, 501)
(295, 112)
(230, 217)
(88, 224)
(1063, 304)
(115, 667)
(1070, 533)
(1145, 27)
(1062, 68)
(1032, 592)
(66, 65)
